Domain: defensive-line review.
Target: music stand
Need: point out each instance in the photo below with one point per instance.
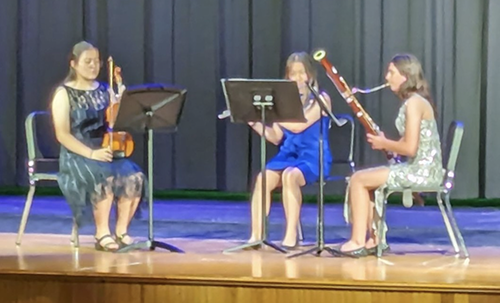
(265, 101)
(320, 235)
(143, 109)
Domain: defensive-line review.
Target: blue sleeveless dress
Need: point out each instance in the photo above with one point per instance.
(301, 150)
(84, 181)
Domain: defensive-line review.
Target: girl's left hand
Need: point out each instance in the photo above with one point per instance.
(121, 89)
(377, 142)
(117, 97)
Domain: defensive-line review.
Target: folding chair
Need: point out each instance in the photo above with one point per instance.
(342, 154)
(43, 152)
(450, 155)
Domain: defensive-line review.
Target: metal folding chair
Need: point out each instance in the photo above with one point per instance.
(450, 155)
(43, 153)
(343, 154)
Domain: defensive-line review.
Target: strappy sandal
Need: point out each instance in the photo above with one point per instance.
(105, 247)
(119, 240)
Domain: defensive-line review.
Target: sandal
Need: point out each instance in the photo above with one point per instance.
(119, 240)
(105, 247)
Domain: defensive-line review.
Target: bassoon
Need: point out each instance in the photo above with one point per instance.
(349, 96)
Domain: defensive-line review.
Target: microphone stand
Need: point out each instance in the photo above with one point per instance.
(320, 241)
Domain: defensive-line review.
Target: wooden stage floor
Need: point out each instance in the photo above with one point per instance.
(47, 269)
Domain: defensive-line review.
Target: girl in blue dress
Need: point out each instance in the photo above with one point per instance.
(89, 177)
(297, 162)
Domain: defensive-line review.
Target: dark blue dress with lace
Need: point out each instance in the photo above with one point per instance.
(83, 181)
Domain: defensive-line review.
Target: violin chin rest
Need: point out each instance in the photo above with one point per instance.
(118, 154)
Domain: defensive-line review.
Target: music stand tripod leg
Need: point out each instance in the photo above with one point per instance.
(263, 242)
(150, 244)
(320, 244)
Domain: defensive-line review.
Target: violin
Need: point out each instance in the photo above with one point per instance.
(121, 143)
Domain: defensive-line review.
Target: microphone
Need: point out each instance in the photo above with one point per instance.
(339, 122)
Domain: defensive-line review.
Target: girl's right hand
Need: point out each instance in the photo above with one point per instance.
(102, 154)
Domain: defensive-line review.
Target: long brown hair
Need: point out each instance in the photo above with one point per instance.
(409, 66)
(75, 54)
(308, 63)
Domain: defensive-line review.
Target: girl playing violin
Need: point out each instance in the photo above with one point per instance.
(88, 174)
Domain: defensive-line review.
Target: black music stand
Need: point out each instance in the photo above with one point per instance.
(265, 101)
(320, 235)
(143, 109)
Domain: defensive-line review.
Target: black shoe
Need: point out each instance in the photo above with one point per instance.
(288, 247)
(291, 247)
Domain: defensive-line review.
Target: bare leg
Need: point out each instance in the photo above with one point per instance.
(273, 180)
(372, 239)
(102, 211)
(361, 183)
(127, 208)
(293, 180)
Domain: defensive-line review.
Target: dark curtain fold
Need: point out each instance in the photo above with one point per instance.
(9, 78)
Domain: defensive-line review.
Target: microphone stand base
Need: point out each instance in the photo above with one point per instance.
(317, 250)
(256, 245)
